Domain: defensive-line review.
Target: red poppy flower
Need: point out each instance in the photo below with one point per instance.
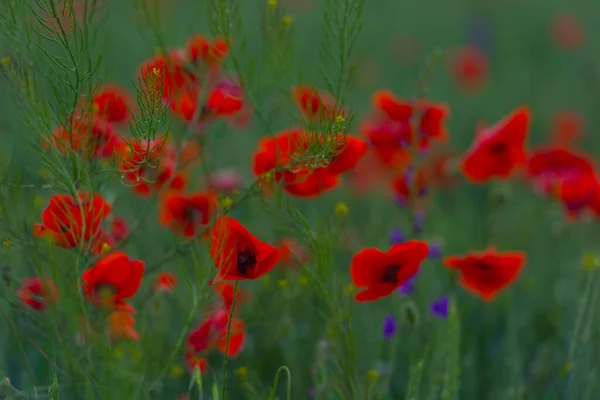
(579, 193)
(168, 73)
(119, 228)
(121, 326)
(225, 100)
(350, 151)
(488, 272)
(149, 166)
(212, 332)
(309, 183)
(211, 52)
(187, 214)
(238, 254)
(165, 282)
(113, 104)
(225, 292)
(315, 104)
(277, 151)
(469, 68)
(37, 293)
(390, 129)
(498, 150)
(381, 273)
(567, 126)
(88, 136)
(194, 361)
(549, 166)
(113, 279)
(567, 32)
(67, 221)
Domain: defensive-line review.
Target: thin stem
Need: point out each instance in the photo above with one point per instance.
(19, 345)
(224, 373)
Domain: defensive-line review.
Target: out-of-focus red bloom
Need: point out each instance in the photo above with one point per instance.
(37, 293)
(379, 273)
(169, 74)
(187, 214)
(566, 31)
(409, 185)
(113, 103)
(112, 280)
(567, 126)
(212, 333)
(303, 180)
(498, 150)
(488, 272)
(390, 129)
(315, 104)
(148, 166)
(579, 193)
(291, 253)
(225, 181)
(119, 228)
(225, 291)
(194, 361)
(165, 282)
(238, 254)
(350, 151)
(121, 326)
(68, 221)
(224, 101)
(369, 174)
(211, 52)
(469, 68)
(89, 136)
(549, 166)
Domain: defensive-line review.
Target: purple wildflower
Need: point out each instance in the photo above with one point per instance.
(418, 221)
(401, 201)
(439, 307)
(396, 236)
(435, 250)
(389, 327)
(408, 287)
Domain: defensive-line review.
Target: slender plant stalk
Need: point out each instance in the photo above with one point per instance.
(224, 372)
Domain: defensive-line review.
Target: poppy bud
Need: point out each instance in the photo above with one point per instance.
(411, 314)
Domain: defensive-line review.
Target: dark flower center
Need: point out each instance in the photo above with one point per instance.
(499, 149)
(390, 275)
(483, 266)
(246, 260)
(192, 214)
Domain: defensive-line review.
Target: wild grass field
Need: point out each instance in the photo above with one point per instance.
(299, 199)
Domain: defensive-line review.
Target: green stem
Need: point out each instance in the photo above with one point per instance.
(288, 386)
(224, 373)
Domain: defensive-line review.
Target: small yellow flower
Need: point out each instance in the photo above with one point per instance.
(568, 366)
(372, 375)
(268, 177)
(5, 60)
(287, 20)
(340, 119)
(350, 288)
(273, 3)
(105, 248)
(242, 372)
(341, 209)
(304, 281)
(38, 200)
(7, 243)
(590, 261)
(177, 371)
(226, 202)
(282, 283)
(266, 279)
(119, 353)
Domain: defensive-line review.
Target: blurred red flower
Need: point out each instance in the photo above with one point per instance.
(566, 31)
(113, 104)
(37, 293)
(488, 272)
(121, 326)
(469, 68)
(164, 282)
(380, 273)
(498, 150)
(187, 214)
